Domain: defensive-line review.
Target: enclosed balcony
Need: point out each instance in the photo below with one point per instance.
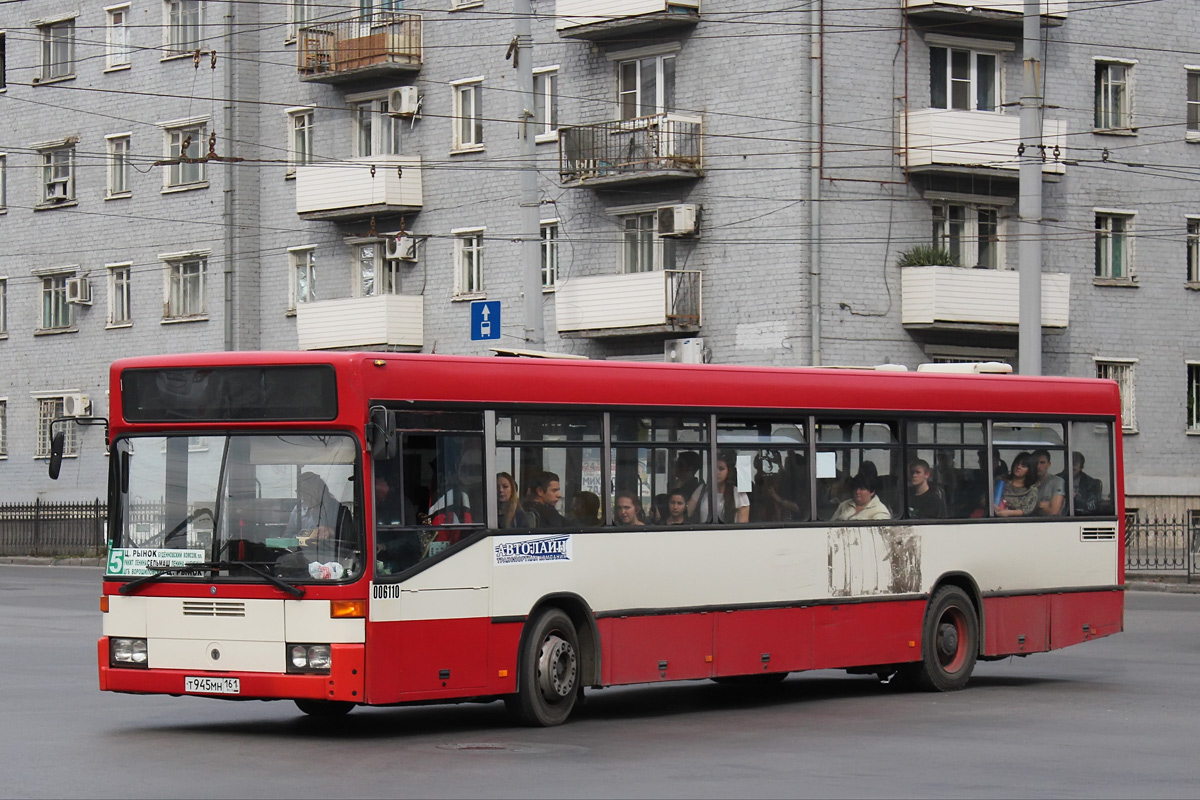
(359, 188)
(640, 303)
(388, 320)
(377, 45)
(976, 142)
(957, 299)
(998, 13)
(606, 19)
(641, 150)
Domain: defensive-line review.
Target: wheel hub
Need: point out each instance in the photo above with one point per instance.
(947, 640)
(556, 668)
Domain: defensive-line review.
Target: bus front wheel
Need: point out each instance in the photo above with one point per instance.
(548, 683)
(949, 642)
(325, 708)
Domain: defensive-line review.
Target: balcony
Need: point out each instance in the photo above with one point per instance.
(998, 13)
(959, 299)
(382, 44)
(388, 320)
(605, 19)
(640, 303)
(977, 142)
(359, 188)
(640, 150)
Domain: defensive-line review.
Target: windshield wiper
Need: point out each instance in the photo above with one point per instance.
(212, 566)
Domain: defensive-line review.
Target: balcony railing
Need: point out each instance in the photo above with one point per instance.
(624, 305)
(938, 139)
(1001, 12)
(660, 147)
(603, 19)
(387, 320)
(953, 297)
(372, 45)
(359, 188)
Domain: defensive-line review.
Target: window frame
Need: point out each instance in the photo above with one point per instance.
(1106, 238)
(631, 101)
(1106, 118)
(1123, 371)
(3, 427)
(469, 263)
(548, 230)
(53, 300)
(117, 53)
(3, 306)
(975, 52)
(49, 42)
(302, 259)
(471, 88)
(54, 170)
(118, 146)
(384, 133)
(967, 250)
(3, 183)
(1192, 242)
(174, 134)
(176, 40)
(299, 138)
(1192, 103)
(51, 406)
(545, 103)
(174, 286)
(662, 252)
(120, 294)
(1192, 405)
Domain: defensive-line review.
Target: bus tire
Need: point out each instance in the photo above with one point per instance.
(548, 683)
(949, 642)
(325, 708)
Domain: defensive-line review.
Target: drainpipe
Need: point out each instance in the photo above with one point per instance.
(230, 175)
(816, 126)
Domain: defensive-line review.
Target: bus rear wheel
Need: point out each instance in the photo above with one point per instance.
(325, 708)
(548, 682)
(949, 642)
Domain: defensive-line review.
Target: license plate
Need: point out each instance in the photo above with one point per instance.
(212, 685)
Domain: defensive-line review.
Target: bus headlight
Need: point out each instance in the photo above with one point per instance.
(123, 652)
(308, 658)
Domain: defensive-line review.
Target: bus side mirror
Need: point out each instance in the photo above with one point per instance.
(57, 443)
(381, 434)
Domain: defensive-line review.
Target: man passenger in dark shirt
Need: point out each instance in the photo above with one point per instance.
(544, 493)
(924, 501)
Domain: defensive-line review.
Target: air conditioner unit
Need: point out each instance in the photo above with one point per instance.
(401, 248)
(684, 351)
(56, 191)
(77, 405)
(79, 291)
(403, 101)
(678, 220)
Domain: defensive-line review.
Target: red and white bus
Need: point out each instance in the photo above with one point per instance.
(328, 527)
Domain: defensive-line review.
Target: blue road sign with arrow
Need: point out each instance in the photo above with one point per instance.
(485, 320)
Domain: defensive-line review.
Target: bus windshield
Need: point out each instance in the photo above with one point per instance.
(287, 503)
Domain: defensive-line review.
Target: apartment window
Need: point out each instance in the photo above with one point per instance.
(118, 165)
(376, 132)
(1113, 251)
(56, 311)
(964, 80)
(1193, 397)
(642, 249)
(303, 12)
(646, 86)
(116, 44)
(303, 280)
(468, 114)
(468, 262)
(300, 142)
(184, 20)
(1193, 250)
(1121, 371)
(3, 428)
(183, 145)
(549, 254)
(3, 61)
(3, 182)
(1113, 95)
(49, 409)
(3, 306)
(58, 49)
(185, 279)
(545, 101)
(58, 174)
(1193, 104)
(119, 314)
(969, 233)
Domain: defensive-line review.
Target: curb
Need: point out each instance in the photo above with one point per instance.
(1170, 587)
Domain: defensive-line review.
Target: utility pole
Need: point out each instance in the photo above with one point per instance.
(1030, 208)
(531, 238)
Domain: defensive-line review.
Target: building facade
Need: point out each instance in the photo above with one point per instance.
(738, 186)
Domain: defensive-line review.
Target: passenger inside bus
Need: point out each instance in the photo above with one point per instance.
(676, 508)
(509, 512)
(585, 509)
(732, 505)
(924, 501)
(544, 493)
(1052, 491)
(864, 504)
(628, 511)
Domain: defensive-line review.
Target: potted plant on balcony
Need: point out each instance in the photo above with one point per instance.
(924, 255)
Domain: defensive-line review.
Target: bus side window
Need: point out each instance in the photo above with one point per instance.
(552, 461)
(1091, 472)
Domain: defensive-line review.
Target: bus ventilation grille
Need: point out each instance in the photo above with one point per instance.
(213, 608)
(1106, 534)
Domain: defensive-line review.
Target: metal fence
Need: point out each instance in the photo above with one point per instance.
(1165, 545)
(52, 529)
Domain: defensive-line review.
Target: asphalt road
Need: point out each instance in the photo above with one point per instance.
(1117, 717)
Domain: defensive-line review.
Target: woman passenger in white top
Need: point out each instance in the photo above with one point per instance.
(732, 505)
